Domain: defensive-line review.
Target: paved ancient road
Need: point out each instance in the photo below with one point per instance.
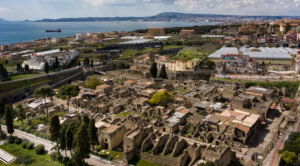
(273, 159)
(93, 160)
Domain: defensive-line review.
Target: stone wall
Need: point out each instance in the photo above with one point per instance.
(16, 90)
(160, 160)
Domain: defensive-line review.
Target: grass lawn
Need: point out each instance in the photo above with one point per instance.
(39, 160)
(21, 76)
(189, 54)
(167, 47)
(142, 162)
(130, 52)
(111, 154)
(12, 64)
(122, 114)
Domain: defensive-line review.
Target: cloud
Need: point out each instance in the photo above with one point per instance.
(4, 10)
(215, 6)
(123, 2)
(240, 6)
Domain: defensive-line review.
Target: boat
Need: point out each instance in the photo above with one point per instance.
(57, 30)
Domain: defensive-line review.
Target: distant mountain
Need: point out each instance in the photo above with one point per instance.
(171, 16)
(2, 20)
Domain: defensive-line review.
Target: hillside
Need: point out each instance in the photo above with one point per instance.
(167, 16)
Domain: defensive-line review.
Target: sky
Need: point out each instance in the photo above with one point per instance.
(17, 10)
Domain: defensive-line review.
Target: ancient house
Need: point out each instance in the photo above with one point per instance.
(112, 136)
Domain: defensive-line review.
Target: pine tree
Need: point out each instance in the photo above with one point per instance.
(62, 138)
(153, 70)
(92, 63)
(2, 113)
(44, 92)
(19, 68)
(86, 61)
(46, 68)
(27, 68)
(92, 130)
(163, 72)
(3, 72)
(77, 158)
(82, 143)
(55, 129)
(21, 113)
(86, 120)
(69, 136)
(67, 92)
(56, 63)
(9, 119)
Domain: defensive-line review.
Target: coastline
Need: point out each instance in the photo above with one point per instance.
(32, 31)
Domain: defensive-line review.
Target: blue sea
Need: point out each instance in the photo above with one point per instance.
(16, 32)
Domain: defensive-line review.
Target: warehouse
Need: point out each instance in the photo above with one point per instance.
(272, 53)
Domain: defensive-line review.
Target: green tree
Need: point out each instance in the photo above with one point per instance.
(288, 27)
(210, 64)
(62, 138)
(21, 113)
(3, 72)
(92, 130)
(54, 130)
(86, 120)
(2, 113)
(92, 63)
(153, 70)
(163, 72)
(161, 98)
(44, 92)
(81, 142)
(86, 61)
(46, 69)
(68, 91)
(27, 68)
(288, 157)
(56, 64)
(69, 136)
(9, 119)
(19, 68)
(93, 83)
(77, 158)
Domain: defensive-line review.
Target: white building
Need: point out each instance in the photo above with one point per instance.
(81, 36)
(35, 63)
(297, 64)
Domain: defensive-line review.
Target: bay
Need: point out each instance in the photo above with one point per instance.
(17, 32)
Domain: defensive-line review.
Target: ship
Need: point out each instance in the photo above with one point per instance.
(57, 30)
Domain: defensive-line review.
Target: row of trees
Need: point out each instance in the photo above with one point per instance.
(3, 73)
(162, 74)
(66, 92)
(77, 137)
(88, 62)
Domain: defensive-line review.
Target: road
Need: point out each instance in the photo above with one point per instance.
(273, 159)
(93, 160)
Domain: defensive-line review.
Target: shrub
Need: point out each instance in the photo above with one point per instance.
(11, 139)
(55, 156)
(40, 149)
(98, 148)
(288, 157)
(18, 141)
(2, 136)
(24, 144)
(30, 145)
(161, 98)
(26, 160)
(66, 160)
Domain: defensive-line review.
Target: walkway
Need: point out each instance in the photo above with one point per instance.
(93, 160)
